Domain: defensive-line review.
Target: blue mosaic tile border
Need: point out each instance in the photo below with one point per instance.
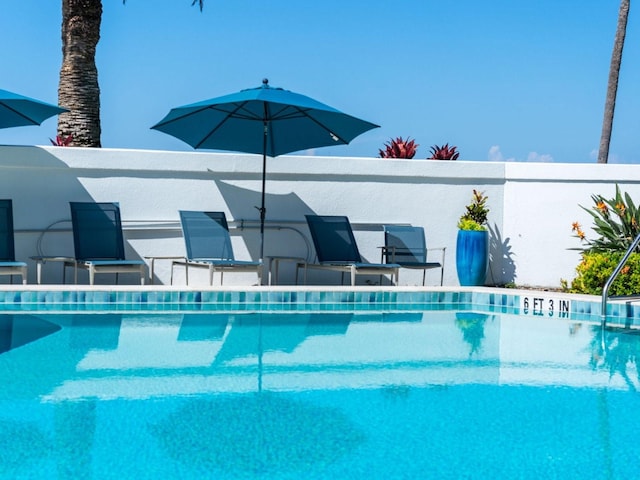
(297, 300)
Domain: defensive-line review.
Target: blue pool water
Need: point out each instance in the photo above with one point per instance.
(316, 395)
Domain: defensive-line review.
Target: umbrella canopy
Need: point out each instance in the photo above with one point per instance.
(264, 120)
(17, 110)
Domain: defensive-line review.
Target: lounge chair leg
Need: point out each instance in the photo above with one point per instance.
(91, 276)
(424, 276)
(353, 275)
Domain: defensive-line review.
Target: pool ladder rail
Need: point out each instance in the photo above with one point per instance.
(612, 277)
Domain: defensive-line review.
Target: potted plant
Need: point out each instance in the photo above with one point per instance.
(472, 245)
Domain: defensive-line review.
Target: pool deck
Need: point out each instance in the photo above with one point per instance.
(539, 303)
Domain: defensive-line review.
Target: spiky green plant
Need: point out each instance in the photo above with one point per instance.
(616, 222)
(444, 152)
(475, 215)
(399, 148)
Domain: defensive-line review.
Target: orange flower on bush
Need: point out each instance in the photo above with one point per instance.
(575, 227)
(602, 207)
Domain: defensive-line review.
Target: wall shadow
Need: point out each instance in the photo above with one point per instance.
(502, 268)
(284, 216)
(243, 204)
(41, 186)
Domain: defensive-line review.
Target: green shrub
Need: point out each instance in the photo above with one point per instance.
(596, 267)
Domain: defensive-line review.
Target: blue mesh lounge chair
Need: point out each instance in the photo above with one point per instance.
(8, 264)
(208, 245)
(406, 246)
(336, 249)
(98, 242)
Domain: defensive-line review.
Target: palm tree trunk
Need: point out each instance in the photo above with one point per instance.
(612, 88)
(78, 89)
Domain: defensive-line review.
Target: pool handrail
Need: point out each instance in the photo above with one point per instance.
(612, 277)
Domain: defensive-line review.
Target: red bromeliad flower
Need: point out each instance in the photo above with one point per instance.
(399, 148)
(444, 152)
(61, 141)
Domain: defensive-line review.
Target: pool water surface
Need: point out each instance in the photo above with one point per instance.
(437, 394)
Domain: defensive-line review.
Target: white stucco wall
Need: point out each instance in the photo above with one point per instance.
(532, 204)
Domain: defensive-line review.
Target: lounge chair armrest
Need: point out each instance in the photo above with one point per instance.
(385, 250)
(443, 249)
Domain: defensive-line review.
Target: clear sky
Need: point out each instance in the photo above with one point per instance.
(512, 80)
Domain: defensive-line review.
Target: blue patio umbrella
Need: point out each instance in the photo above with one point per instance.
(17, 110)
(264, 120)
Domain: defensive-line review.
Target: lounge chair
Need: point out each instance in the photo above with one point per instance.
(98, 242)
(406, 246)
(8, 264)
(336, 249)
(208, 245)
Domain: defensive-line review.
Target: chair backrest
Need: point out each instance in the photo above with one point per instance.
(407, 242)
(97, 231)
(7, 246)
(333, 238)
(206, 235)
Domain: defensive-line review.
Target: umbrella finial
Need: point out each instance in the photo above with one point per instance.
(265, 83)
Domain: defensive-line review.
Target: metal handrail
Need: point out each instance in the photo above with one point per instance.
(612, 277)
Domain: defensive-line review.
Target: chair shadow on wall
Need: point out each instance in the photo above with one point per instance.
(502, 269)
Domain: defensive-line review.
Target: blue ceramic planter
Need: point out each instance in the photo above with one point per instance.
(472, 257)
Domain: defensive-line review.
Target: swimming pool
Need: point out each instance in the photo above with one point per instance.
(342, 393)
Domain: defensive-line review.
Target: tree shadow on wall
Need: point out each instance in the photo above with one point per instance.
(502, 269)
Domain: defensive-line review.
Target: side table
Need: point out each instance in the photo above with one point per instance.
(42, 259)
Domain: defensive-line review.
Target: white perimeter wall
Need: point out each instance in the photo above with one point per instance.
(532, 205)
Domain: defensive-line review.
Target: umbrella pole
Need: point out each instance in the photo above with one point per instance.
(263, 210)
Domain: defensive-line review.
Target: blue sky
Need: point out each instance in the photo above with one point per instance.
(510, 80)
